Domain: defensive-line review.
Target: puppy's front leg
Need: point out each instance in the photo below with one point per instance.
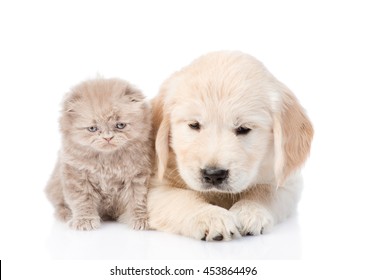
(182, 211)
(82, 199)
(262, 206)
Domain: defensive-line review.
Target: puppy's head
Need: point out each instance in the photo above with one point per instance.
(231, 124)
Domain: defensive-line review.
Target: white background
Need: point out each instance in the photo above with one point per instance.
(314, 47)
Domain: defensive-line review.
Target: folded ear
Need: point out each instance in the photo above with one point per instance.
(134, 94)
(293, 135)
(70, 101)
(162, 146)
(161, 131)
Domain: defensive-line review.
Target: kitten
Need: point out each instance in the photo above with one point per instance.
(104, 163)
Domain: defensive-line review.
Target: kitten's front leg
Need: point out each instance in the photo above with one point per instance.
(54, 191)
(82, 199)
(136, 204)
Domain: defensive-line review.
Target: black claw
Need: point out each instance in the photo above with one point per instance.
(218, 238)
(204, 238)
(262, 231)
(249, 234)
(232, 233)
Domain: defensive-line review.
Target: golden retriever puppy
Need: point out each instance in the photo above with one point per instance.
(230, 140)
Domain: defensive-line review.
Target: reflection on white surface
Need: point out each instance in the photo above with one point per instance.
(117, 241)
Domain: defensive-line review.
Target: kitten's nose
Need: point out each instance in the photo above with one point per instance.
(108, 138)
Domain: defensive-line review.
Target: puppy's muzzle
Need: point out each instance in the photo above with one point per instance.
(214, 176)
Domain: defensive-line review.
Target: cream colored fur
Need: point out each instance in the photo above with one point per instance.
(223, 91)
(103, 174)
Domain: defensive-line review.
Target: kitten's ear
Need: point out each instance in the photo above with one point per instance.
(70, 101)
(133, 94)
(69, 110)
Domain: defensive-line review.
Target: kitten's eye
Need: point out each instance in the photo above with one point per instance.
(120, 125)
(242, 130)
(194, 125)
(92, 128)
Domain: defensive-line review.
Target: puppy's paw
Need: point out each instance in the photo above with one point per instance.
(253, 218)
(140, 224)
(85, 223)
(214, 224)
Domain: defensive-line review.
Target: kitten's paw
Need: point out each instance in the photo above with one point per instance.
(137, 223)
(140, 224)
(85, 223)
(63, 213)
(253, 218)
(213, 224)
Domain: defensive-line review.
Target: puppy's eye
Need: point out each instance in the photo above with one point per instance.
(242, 130)
(120, 125)
(92, 128)
(194, 125)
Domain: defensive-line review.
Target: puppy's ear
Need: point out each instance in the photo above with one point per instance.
(162, 146)
(293, 135)
(161, 131)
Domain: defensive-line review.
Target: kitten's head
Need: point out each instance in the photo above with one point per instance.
(105, 115)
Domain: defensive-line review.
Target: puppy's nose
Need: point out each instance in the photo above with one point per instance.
(214, 176)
